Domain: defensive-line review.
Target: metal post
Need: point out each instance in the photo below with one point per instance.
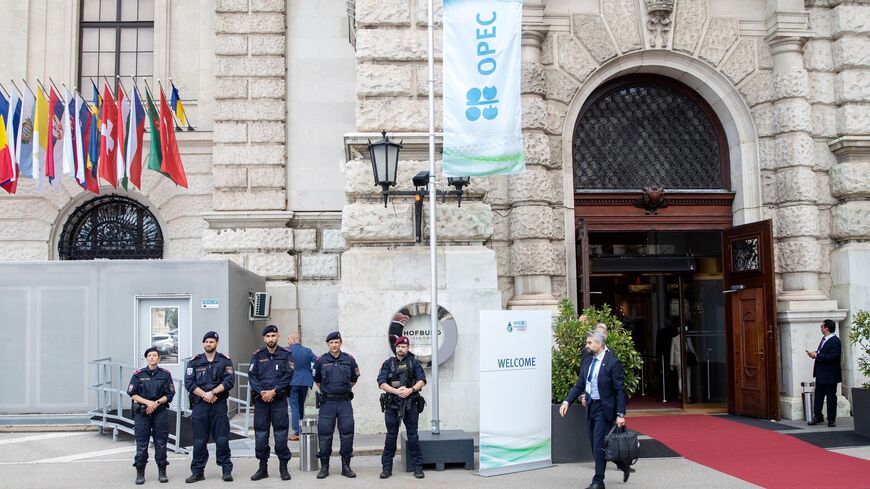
(178, 413)
(664, 383)
(433, 257)
(709, 352)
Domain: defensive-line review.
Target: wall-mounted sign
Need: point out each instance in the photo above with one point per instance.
(413, 321)
(211, 303)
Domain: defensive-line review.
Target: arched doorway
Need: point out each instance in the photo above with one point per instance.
(652, 199)
(111, 227)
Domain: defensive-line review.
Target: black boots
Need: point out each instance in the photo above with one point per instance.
(262, 472)
(386, 473)
(195, 478)
(140, 475)
(346, 470)
(418, 473)
(324, 469)
(161, 474)
(228, 475)
(282, 468)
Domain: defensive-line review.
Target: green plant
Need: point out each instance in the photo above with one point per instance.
(860, 337)
(570, 338)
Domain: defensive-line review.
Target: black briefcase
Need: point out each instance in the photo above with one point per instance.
(621, 445)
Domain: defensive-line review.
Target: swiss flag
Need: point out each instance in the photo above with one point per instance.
(108, 147)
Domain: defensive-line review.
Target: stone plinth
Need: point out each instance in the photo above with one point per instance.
(377, 282)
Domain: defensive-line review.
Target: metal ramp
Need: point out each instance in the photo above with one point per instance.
(113, 410)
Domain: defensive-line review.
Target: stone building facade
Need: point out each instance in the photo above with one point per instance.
(286, 95)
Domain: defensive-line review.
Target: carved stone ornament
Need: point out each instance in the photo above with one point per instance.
(659, 22)
(652, 199)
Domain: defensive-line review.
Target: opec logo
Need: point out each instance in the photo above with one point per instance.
(518, 326)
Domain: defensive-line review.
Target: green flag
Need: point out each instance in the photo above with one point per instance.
(155, 158)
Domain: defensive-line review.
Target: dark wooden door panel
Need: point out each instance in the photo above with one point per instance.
(753, 373)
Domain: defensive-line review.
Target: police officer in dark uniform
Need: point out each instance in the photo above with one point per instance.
(269, 376)
(335, 374)
(152, 390)
(401, 378)
(209, 378)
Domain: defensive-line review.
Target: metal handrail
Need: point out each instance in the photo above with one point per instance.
(109, 397)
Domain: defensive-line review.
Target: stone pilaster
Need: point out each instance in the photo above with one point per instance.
(534, 260)
(250, 224)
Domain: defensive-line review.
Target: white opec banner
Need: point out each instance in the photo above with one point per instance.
(515, 407)
(482, 115)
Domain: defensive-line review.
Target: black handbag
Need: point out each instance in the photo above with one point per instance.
(621, 445)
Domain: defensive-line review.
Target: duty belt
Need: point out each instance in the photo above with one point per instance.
(347, 396)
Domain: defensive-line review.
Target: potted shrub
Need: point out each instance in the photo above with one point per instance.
(570, 441)
(859, 338)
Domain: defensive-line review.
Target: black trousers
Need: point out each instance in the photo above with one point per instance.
(210, 419)
(156, 426)
(598, 423)
(275, 414)
(828, 391)
(332, 413)
(392, 419)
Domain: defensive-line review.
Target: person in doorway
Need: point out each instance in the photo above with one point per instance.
(826, 370)
(401, 378)
(208, 378)
(303, 358)
(151, 389)
(676, 361)
(335, 374)
(601, 389)
(269, 376)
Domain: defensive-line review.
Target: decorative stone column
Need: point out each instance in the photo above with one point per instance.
(251, 222)
(533, 257)
(802, 306)
(850, 176)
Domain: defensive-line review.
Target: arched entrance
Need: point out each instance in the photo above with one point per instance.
(653, 206)
(111, 227)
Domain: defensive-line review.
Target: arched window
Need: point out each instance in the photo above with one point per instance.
(645, 131)
(111, 227)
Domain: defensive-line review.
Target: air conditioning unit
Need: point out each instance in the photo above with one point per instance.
(261, 305)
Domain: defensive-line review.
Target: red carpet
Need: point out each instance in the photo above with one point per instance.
(763, 457)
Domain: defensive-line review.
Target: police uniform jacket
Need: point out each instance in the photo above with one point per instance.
(336, 375)
(152, 384)
(271, 371)
(207, 375)
(393, 369)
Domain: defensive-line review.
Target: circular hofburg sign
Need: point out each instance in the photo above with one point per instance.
(413, 321)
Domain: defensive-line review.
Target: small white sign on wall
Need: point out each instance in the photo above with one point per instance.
(211, 303)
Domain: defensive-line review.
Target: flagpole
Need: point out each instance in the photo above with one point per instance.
(44, 91)
(59, 95)
(25, 84)
(5, 92)
(433, 240)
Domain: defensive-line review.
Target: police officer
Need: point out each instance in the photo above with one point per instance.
(152, 390)
(401, 378)
(209, 378)
(269, 376)
(335, 373)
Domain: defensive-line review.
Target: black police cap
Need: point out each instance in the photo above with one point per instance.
(335, 335)
(270, 329)
(150, 350)
(210, 334)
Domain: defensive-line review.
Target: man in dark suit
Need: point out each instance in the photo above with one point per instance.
(826, 370)
(600, 388)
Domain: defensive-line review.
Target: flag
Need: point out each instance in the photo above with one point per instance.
(170, 165)
(135, 131)
(54, 151)
(482, 118)
(155, 158)
(120, 134)
(108, 148)
(93, 154)
(81, 119)
(69, 155)
(177, 107)
(24, 140)
(7, 170)
(40, 138)
(12, 119)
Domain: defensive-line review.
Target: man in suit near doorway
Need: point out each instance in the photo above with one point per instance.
(600, 388)
(826, 370)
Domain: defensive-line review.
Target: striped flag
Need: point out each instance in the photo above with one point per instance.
(135, 132)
